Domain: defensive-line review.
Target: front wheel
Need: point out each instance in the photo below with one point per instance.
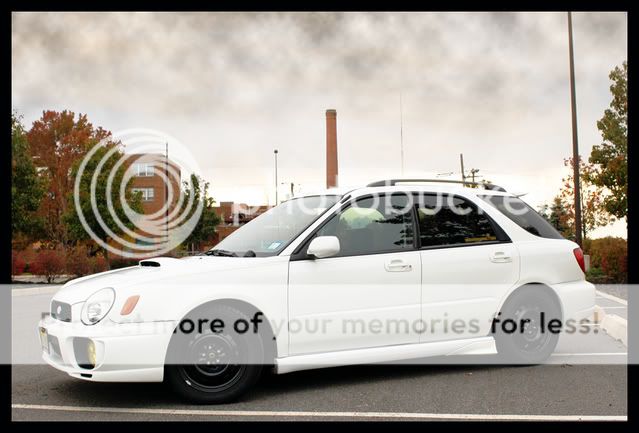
(524, 330)
(214, 367)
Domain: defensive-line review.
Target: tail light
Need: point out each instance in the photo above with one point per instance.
(579, 255)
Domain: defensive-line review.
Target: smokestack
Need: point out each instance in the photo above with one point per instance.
(331, 148)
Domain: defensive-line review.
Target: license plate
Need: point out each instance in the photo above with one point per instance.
(44, 340)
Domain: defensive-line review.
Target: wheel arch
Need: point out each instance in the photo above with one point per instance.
(268, 336)
(532, 286)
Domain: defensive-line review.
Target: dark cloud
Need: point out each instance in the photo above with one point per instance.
(243, 81)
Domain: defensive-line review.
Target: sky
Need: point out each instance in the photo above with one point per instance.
(232, 87)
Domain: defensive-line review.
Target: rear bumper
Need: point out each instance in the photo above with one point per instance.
(132, 352)
(577, 299)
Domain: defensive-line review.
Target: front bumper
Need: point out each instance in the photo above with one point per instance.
(125, 352)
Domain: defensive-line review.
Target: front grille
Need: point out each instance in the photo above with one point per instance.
(61, 311)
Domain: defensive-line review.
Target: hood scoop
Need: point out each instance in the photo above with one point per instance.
(159, 262)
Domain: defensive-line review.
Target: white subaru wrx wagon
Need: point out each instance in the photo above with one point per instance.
(393, 271)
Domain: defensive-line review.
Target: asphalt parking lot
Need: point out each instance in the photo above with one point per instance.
(576, 386)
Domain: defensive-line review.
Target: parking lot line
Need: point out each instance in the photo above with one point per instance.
(611, 297)
(592, 354)
(298, 414)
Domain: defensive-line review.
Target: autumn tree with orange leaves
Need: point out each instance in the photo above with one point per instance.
(57, 140)
(593, 198)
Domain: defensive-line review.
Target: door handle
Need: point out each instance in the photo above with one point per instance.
(500, 257)
(398, 265)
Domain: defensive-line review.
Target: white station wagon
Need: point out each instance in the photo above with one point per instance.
(398, 270)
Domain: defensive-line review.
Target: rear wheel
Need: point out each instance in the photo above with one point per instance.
(522, 330)
(214, 367)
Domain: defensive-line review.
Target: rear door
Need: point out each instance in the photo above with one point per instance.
(468, 264)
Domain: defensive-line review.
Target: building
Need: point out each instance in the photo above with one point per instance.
(149, 172)
(234, 215)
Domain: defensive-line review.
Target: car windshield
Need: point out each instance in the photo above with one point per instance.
(271, 232)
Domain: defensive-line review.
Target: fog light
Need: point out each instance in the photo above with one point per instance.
(91, 356)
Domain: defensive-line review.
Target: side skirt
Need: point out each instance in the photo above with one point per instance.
(470, 346)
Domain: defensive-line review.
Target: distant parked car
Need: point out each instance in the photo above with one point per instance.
(328, 280)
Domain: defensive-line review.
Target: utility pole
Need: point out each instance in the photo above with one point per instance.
(461, 161)
(401, 131)
(575, 144)
(473, 172)
(166, 190)
(276, 198)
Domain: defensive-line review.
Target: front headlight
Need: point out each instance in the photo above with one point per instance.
(97, 306)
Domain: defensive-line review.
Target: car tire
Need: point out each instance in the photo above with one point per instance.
(533, 342)
(214, 381)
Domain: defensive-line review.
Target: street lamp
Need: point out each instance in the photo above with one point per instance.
(275, 153)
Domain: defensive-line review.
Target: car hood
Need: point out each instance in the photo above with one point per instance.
(150, 270)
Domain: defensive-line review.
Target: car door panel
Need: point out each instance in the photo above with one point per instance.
(369, 295)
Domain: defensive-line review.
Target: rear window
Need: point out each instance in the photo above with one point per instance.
(523, 215)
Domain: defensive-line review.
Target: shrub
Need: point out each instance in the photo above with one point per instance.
(78, 261)
(18, 262)
(98, 264)
(122, 262)
(610, 256)
(49, 264)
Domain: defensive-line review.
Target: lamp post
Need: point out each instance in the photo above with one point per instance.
(275, 154)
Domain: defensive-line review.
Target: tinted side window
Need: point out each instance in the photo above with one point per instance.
(523, 215)
(448, 220)
(372, 226)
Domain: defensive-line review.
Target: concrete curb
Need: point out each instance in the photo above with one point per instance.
(616, 327)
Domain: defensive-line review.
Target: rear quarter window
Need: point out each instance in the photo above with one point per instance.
(523, 215)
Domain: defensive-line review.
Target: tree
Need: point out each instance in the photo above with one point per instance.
(75, 229)
(558, 217)
(593, 211)
(610, 158)
(204, 229)
(27, 188)
(57, 141)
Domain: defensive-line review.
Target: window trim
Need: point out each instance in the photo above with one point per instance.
(145, 172)
(144, 191)
(300, 252)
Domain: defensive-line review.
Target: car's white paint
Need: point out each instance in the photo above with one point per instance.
(406, 285)
(323, 246)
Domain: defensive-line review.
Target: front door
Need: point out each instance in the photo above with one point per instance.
(368, 295)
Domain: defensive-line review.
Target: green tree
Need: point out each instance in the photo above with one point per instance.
(610, 158)
(204, 229)
(27, 188)
(75, 229)
(558, 217)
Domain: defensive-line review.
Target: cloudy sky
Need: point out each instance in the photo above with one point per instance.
(234, 86)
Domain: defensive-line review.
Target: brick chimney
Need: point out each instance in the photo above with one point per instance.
(331, 148)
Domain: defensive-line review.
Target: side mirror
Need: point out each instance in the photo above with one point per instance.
(323, 246)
